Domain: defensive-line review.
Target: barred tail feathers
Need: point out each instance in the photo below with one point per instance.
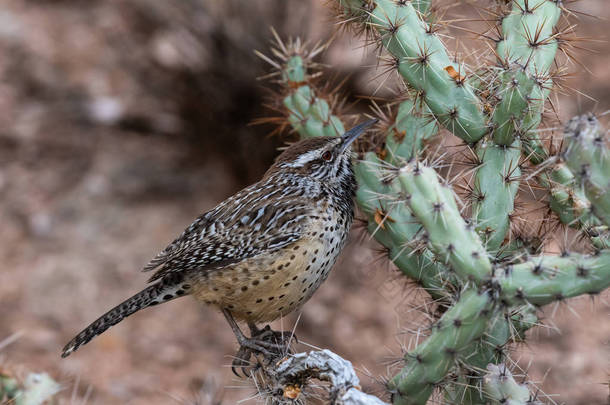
(157, 293)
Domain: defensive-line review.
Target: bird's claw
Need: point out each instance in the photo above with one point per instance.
(241, 361)
(266, 342)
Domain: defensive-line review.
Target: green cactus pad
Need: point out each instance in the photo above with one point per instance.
(513, 92)
(588, 157)
(496, 183)
(430, 362)
(529, 40)
(544, 279)
(405, 138)
(453, 241)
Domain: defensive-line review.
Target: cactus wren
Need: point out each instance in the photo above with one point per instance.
(263, 252)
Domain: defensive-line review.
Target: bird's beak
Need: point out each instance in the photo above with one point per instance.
(351, 135)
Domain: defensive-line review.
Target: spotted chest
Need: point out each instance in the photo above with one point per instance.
(268, 286)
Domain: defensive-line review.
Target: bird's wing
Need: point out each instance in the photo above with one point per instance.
(199, 226)
(245, 225)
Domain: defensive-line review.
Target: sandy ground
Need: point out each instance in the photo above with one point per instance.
(87, 201)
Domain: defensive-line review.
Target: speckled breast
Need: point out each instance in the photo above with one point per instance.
(270, 285)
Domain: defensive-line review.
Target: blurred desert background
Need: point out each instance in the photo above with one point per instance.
(121, 121)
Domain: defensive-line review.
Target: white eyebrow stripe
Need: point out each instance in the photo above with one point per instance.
(304, 158)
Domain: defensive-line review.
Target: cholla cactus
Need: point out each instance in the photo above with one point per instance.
(489, 282)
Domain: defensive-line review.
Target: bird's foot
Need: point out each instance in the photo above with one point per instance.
(249, 347)
(269, 344)
(278, 340)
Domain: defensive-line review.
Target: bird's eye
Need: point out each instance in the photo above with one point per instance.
(327, 155)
